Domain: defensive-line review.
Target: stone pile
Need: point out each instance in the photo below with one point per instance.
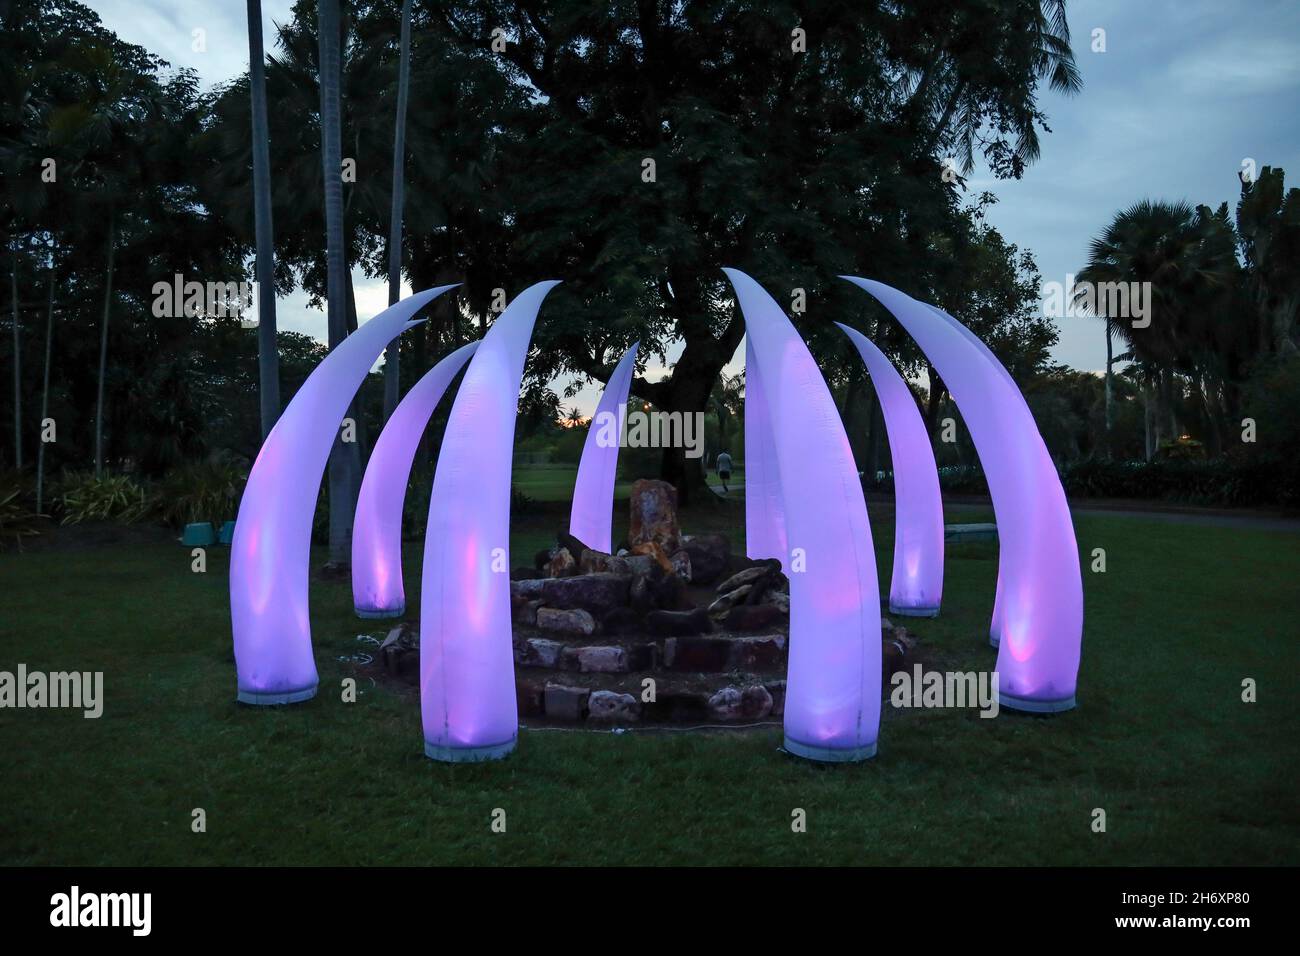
(668, 628)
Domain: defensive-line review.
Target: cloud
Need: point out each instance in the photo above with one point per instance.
(1239, 66)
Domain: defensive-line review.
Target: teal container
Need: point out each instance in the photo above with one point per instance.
(227, 533)
(198, 535)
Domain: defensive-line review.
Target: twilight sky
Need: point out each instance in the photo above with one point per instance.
(1185, 91)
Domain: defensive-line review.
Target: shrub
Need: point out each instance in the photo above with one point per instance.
(202, 491)
(18, 517)
(520, 503)
(83, 497)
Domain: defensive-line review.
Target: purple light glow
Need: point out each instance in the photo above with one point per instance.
(271, 550)
(377, 590)
(916, 587)
(467, 673)
(593, 494)
(1039, 595)
(832, 709)
(764, 509)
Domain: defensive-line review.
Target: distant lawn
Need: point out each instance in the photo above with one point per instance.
(1187, 773)
(555, 482)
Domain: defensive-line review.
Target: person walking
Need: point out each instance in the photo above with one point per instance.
(723, 466)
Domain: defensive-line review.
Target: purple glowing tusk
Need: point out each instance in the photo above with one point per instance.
(764, 509)
(832, 708)
(916, 587)
(467, 671)
(1039, 610)
(593, 493)
(271, 550)
(377, 590)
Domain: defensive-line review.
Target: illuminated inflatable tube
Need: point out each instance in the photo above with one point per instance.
(916, 587)
(271, 550)
(467, 672)
(1039, 604)
(377, 590)
(995, 625)
(591, 517)
(832, 704)
(764, 509)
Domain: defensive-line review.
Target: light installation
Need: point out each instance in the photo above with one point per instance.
(804, 506)
(271, 550)
(591, 517)
(1039, 600)
(916, 587)
(832, 705)
(467, 675)
(377, 590)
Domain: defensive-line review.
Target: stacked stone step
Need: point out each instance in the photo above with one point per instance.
(731, 698)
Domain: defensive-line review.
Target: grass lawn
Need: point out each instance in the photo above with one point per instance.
(1186, 772)
(554, 483)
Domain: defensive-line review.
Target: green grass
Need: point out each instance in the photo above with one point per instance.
(1187, 773)
(554, 483)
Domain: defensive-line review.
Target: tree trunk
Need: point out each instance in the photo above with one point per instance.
(1214, 434)
(692, 382)
(933, 401)
(434, 338)
(45, 393)
(342, 500)
(392, 362)
(268, 356)
(1109, 391)
(1170, 408)
(1146, 416)
(688, 394)
(362, 444)
(103, 351)
(1283, 320)
(875, 428)
(849, 412)
(18, 391)
(721, 409)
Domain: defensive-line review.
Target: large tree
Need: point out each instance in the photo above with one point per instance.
(103, 134)
(661, 141)
(634, 149)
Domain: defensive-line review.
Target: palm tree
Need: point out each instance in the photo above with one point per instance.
(18, 391)
(1268, 221)
(268, 358)
(392, 372)
(944, 90)
(1186, 256)
(341, 484)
